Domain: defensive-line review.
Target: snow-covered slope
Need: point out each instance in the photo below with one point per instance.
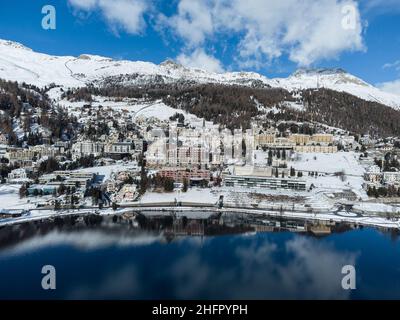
(19, 63)
(338, 80)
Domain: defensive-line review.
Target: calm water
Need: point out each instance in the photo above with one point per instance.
(112, 263)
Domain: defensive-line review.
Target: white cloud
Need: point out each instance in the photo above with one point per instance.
(193, 21)
(121, 15)
(306, 31)
(395, 65)
(390, 86)
(200, 59)
(83, 4)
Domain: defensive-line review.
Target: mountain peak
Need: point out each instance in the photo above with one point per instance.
(171, 64)
(328, 77)
(13, 44)
(319, 71)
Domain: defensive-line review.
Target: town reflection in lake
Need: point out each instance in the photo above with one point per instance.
(196, 256)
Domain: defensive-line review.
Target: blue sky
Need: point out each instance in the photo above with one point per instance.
(267, 36)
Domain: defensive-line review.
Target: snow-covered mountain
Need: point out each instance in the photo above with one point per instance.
(19, 63)
(338, 80)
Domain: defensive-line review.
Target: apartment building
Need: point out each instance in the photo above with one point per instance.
(86, 148)
(156, 154)
(264, 139)
(322, 138)
(300, 139)
(373, 174)
(23, 157)
(188, 155)
(264, 182)
(180, 174)
(44, 151)
(261, 177)
(68, 178)
(119, 148)
(320, 143)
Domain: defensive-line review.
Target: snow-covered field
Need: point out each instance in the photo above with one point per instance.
(374, 208)
(9, 198)
(326, 165)
(329, 163)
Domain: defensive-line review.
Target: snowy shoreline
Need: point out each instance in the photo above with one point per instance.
(205, 212)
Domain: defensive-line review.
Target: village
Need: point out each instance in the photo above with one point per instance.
(134, 153)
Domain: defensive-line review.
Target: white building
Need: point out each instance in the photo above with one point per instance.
(264, 182)
(119, 148)
(127, 193)
(391, 177)
(373, 176)
(18, 176)
(257, 177)
(156, 154)
(86, 148)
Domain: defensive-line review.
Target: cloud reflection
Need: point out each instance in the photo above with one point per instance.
(303, 268)
(229, 267)
(82, 240)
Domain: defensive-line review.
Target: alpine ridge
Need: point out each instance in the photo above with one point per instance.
(21, 64)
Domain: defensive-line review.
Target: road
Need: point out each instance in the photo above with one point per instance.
(71, 72)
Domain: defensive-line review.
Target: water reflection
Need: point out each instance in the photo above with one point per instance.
(136, 229)
(256, 270)
(138, 257)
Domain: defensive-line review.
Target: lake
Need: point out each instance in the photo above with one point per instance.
(180, 258)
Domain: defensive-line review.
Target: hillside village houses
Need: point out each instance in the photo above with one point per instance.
(302, 143)
(118, 152)
(25, 156)
(113, 149)
(191, 147)
(189, 154)
(193, 151)
(377, 178)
